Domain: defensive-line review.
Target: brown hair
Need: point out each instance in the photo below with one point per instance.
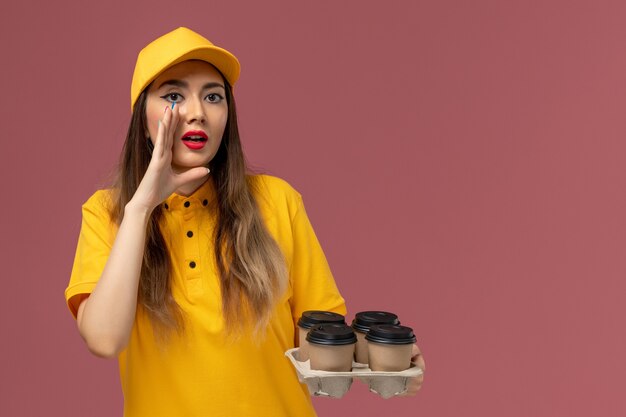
(250, 263)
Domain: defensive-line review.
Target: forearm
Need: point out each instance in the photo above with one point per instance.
(106, 318)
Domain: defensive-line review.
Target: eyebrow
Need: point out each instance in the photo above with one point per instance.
(183, 84)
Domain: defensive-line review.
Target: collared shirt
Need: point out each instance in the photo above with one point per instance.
(203, 373)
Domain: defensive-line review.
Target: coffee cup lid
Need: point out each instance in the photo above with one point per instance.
(363, 320)
(390, 334)
(313, 317)
(333, 334)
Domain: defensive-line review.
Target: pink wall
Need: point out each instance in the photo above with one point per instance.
(461, 161)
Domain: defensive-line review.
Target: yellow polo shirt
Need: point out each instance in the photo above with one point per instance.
(202, 374)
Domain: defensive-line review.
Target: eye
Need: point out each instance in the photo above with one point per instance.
(172, 97)
(214, 98)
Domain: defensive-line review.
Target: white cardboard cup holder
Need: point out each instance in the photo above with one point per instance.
(337, 384)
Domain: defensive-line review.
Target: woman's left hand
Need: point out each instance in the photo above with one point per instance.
(414, 384)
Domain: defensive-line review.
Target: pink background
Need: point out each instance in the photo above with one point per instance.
(461, 161)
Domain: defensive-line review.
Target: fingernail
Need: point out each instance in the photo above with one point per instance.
(165, 109)
(173, 104)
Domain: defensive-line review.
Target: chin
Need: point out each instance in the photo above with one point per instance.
(191, 163)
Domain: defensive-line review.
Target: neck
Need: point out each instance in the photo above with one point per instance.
(189, 188)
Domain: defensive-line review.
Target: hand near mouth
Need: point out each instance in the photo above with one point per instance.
(160, 180)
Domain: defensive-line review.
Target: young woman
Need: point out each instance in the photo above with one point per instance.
(188, 270)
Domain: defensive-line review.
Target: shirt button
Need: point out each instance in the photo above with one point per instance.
(189, 233)
(205, 202)
(192, 264)
(187, 204)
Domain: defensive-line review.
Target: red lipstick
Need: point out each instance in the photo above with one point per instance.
(195, 139)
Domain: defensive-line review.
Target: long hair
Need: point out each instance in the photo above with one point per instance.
(251, 266)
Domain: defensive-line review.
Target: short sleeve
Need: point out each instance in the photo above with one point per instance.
(314, 287)
(95, 240)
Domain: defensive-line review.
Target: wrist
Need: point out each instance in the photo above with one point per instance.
(137, 210)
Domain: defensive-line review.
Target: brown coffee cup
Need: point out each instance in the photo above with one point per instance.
(390, 347)
(331, 347)
(361, 325)
(310, 319)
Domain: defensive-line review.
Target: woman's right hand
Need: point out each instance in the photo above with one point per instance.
(160, 180)
(106, 317)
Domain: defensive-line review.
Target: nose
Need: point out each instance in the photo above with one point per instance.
(194, 111)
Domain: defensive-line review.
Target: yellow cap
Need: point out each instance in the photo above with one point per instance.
(177, 46)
